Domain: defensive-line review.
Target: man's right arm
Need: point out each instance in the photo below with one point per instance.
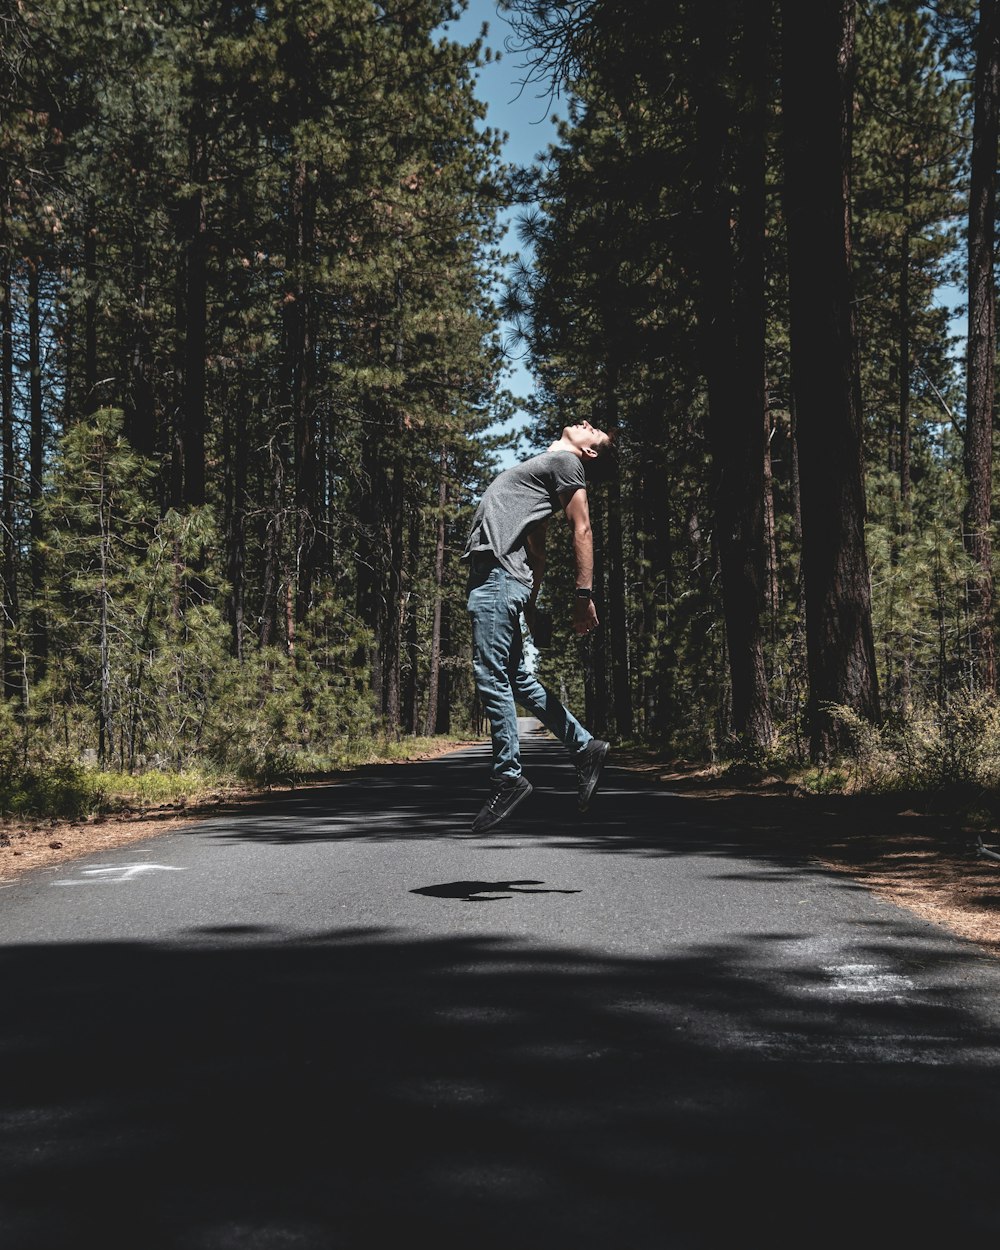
(578, 516)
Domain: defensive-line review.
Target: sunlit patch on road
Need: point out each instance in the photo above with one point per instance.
(869, 979)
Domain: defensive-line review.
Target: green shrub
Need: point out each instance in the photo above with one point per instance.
(939, 747)
(61, 787)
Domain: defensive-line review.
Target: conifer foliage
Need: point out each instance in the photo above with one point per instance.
(749, 226)
(249, 362)
(246, 255)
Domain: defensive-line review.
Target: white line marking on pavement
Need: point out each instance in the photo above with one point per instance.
(112, 876)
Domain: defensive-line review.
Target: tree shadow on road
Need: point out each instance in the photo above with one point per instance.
(364, 1089)
(438, 799)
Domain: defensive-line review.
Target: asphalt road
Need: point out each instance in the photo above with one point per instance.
(340, 1020)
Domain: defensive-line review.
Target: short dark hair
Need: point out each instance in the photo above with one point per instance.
(605, 464)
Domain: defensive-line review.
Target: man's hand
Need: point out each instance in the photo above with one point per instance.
(585, 616)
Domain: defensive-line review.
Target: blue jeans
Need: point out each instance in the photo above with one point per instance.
(496, 601)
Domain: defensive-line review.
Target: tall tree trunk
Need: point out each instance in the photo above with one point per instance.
(442, 724)
(731, 323)
(36, 469)
(408, 611)
(817, 71)
(616, 610)
(105, 744)
(189, 473)
(234, 441)
(11, 622)
(391, 645)
(434, 677)
(595, 647)
(656, 541)
(369, 556)
(904, 352)
(90, 396)
(770, 534)
(392, 617)
(300, 349)
(797, 686)
(900, 537)
(982, 342)
(140, 406)
(273, 544)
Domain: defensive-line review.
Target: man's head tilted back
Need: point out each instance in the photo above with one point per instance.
(595, 447)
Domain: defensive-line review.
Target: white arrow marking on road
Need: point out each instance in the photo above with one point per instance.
(124, 872)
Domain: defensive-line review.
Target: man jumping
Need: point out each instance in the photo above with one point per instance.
(506, 549)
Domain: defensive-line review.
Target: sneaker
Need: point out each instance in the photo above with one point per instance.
(505, 797)
(589, 763)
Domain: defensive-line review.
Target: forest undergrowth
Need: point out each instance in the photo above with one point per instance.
(63, 788)
(64, 810)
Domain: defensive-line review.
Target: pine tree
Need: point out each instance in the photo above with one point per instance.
(981, 399)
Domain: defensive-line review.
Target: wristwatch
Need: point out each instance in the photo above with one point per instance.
(584, 592)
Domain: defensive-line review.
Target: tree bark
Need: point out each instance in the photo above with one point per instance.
(770, 534)
(982, 345)
(818, 54)
(140, 407)
(617, 611)
(904, 353)
(392, 615)
(442, 724)
(595, 647)
(301, 369)
(90, 397)
(189, 449)
(392, 619)
(368, 560)
(434, 676)
(11, 623)
(234, 440)
(36, 470)
(104, 728)
(273, 543)
(408, 624)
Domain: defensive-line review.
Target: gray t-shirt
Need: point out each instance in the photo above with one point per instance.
(516, 501)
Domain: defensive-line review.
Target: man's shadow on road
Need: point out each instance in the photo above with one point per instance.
(483, 891)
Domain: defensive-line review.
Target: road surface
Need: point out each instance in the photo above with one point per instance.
(340, 1020)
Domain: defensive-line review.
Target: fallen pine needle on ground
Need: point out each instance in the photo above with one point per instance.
(920, 860)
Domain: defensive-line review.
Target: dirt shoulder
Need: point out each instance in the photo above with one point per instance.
(28, 844)
(920, 859)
